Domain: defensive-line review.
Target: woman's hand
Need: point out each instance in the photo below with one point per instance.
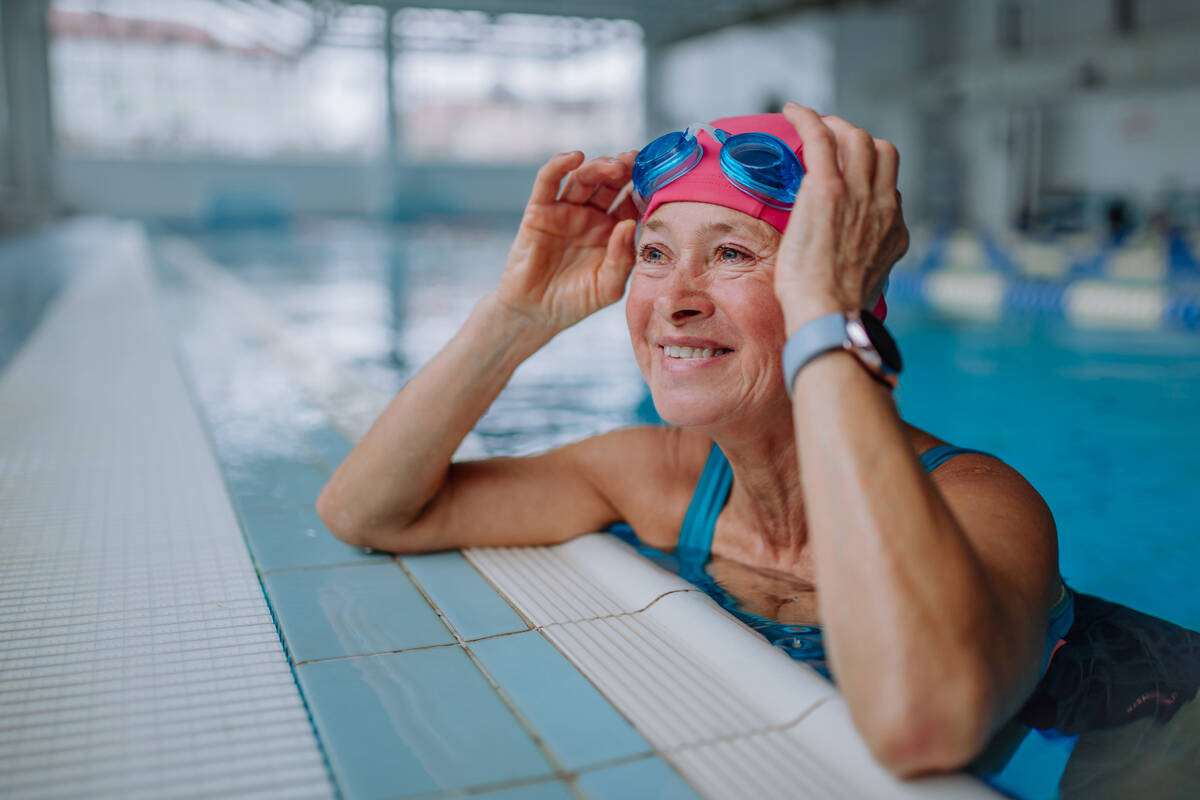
(847, 228)
(571, 257)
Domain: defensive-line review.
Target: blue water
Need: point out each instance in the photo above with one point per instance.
(1102, 423)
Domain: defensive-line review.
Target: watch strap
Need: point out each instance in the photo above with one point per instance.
(810, 340)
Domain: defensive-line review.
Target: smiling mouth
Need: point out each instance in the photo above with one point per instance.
(675, 351)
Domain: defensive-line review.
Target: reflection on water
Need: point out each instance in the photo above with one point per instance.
(386, 299)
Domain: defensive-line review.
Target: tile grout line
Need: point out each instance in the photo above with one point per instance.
(531, 629)
(559, 770)
(655, 750)
(572, 776)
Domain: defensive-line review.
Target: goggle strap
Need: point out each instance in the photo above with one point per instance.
(627, 191)
(718, 135)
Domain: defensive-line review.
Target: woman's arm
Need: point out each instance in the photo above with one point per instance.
(934, 593)
(570, 258)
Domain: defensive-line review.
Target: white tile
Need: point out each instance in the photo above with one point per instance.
(778, 688)
(758, 765)
(632, 581)
(544, 584)
(670, 695)
(588, 577)
(829, 736)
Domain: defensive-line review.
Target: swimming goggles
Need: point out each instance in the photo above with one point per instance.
(759, 164)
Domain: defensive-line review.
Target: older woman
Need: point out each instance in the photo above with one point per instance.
(934, 584)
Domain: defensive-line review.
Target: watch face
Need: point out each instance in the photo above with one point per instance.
(884, 344)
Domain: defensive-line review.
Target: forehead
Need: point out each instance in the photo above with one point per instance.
(685, 220)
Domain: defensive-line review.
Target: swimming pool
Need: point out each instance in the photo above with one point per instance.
(1099, 421)
(1103, 423)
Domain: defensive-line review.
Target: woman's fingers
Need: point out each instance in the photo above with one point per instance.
(887, 167)
(550, 176)
(820, 146)
(617, 264)
(856, 155)
(582, 184)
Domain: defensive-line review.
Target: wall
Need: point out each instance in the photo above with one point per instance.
(871, 45)
(749, 69)
(1078, 105)
(199, 189)
(831, 61)
(1138, 143)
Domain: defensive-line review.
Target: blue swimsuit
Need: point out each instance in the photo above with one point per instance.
(801, 642)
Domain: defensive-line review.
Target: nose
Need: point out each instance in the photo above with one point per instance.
(683, 297)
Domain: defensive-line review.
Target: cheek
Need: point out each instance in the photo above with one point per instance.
(638, 308)
(758, 315)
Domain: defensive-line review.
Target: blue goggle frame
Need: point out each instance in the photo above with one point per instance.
(759, 164)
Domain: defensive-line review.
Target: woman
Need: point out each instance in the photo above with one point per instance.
(934, 586)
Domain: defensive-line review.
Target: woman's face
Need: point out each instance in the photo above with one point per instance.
(706, 328)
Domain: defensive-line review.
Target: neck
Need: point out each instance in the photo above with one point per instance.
(766, 503)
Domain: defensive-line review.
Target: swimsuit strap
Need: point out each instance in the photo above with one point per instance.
(934, 457)
(712, 492)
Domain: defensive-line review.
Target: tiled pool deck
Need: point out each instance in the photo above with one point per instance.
(152, 531)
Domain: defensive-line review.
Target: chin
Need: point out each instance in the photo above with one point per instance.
(691, 412)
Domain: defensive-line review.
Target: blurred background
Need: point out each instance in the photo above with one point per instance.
(356, 170)
(1056, 116)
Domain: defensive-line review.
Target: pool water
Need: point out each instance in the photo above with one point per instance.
(1102, 423)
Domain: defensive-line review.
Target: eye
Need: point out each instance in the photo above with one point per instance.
(731, 254)
(652, 254)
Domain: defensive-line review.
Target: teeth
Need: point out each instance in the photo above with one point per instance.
(675, 351)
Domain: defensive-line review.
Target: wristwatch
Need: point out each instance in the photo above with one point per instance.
(860, 332)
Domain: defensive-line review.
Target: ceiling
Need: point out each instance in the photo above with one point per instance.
(661, 20)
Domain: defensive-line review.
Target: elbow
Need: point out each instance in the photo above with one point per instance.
(940, 732)
(339, 521)
(358, 531)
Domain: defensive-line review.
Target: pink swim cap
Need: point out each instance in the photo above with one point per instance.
(706, 183)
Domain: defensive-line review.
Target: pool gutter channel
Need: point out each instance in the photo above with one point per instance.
(110, 449)
(698, 684)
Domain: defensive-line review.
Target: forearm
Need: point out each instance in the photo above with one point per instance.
(911, 621)
(401, 463)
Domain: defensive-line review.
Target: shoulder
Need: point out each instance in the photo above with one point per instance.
(978, 474)
(646, 473)
(1007, 521)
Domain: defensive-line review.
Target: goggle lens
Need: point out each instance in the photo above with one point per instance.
(764, 167)
(664, 160)
(759, 164)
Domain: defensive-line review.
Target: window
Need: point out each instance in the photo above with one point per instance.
(471, 87)
(140, 78)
